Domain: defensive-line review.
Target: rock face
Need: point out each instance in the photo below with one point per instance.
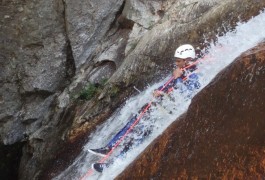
(87, 23)
(33, 63)
(222, 134)
(50, 50)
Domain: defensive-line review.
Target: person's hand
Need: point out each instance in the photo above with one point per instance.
(177, 73)
(156, 93)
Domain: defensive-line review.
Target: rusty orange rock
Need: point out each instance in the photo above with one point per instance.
(222, 135)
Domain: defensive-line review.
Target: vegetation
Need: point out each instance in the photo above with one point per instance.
(91, 90)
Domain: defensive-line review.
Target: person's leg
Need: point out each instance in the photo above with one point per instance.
(140, 130)
(121, 133)
(105, 150)
(139, 134)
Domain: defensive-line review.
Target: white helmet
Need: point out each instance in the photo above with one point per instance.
(185, 51)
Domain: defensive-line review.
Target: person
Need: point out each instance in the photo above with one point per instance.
(184, 79)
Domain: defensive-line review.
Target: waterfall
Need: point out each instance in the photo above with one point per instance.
(220, 54)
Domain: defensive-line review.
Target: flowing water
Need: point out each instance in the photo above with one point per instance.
(220, 54)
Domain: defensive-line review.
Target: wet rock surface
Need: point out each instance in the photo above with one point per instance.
(222, 134)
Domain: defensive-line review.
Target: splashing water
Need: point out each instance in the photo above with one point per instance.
(220, 55)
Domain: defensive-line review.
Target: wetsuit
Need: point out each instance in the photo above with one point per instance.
(186, 83)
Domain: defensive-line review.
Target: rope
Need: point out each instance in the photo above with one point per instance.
(90, 172)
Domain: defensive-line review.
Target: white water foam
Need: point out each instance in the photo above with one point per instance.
(221, 54)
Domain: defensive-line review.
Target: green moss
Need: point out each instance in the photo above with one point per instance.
(92, 89)
(89, 92)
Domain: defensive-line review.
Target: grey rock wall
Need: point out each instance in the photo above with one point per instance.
(33, 61)
(87, 23)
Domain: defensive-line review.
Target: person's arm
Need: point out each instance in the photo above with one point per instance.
(177, 73)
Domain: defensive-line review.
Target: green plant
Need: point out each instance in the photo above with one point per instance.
(89, 92)
(92, 89)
